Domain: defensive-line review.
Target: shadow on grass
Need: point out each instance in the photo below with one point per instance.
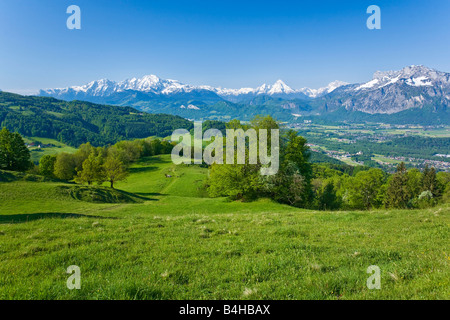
(145, 195)
(140, 195)
(22, 218)
(142, 169)
(156, 159)
(96, 194)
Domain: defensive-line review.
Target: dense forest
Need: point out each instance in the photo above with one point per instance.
(77, 122)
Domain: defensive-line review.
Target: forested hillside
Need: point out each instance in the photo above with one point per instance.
(77, 122)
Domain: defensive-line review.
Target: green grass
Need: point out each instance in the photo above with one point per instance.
(172, 242)
(38, 153)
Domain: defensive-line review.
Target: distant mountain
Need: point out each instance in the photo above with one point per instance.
(104, 87)
(132, 91)
(314, 93)
(395, 91)
(278, 90)
(153, 86)
(418, 88)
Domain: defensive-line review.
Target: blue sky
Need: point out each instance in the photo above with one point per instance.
(221, 43)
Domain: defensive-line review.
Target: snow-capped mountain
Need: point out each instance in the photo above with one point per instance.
(314, 93)
(279, 87)
(155, 85)
(278, 90)
(388, 92)
(395, 91)
(105, 87)
(415, 76)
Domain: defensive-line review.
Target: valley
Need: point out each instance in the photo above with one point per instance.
(380, 145)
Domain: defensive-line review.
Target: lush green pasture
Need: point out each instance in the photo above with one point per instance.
(38, 153)
(164, 239)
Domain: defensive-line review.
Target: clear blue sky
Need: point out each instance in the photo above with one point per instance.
(221, 43)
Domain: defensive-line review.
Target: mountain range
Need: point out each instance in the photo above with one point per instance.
(410, 95)
(152, 84)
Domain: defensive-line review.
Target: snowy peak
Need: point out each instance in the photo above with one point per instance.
(414, 76)
(154, 84)
(314, 93)
(105, 87)
(408, 77)
(406, 72)
(280, 87)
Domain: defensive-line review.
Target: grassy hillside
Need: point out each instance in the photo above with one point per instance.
(161, 238)
(44, 146)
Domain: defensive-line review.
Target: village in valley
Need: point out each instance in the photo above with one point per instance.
(375, 144)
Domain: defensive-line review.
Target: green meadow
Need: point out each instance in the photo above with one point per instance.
(159, 237)
(57, 147)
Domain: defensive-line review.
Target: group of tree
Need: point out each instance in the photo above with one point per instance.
(325, 186)
(291, 184)
(374, 188)
(91, 164)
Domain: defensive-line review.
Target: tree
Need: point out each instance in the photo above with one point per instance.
(128, 151)
(65, 166)
(239, 181)
(429, 181)
(93, 170)
(296, 152)
(327, 199)
(287, 186)
(47, 165)
(414, 183)
(14, 154)
(444, 185)
(234, 180)
(397, 195)
(115, 169)
(364, 188)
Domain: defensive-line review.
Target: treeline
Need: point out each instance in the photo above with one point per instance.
(91, 164)
(325, 186)
(76, 122)
(374, 188)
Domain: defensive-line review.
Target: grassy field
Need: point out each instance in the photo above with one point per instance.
(38, 153)
(162, 238)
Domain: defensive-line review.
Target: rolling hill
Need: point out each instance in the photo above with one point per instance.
(160, 238)
(77, 122)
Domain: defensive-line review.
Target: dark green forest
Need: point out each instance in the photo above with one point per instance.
(77, 122)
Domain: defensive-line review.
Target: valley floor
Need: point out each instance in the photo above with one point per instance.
(164, 239)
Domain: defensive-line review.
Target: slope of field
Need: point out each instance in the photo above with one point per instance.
(172, 242)
(46, 146)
